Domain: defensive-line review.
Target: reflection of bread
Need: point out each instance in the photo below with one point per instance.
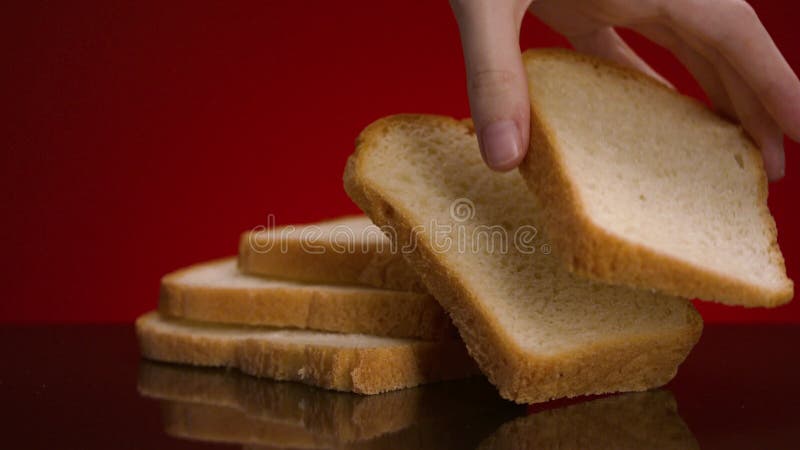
(223, 424)
(343, 362)
(217, 292)
(537, 331)
(214, 423)
(646, 420)
(645, 187)
(343, 416)
(292, 252)
(224, 406)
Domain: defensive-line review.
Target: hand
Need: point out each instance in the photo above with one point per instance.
(721, 42)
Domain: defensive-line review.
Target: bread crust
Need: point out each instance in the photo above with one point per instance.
(632, 365)
(377, 266)
(363, 370)
(591, 251)
(340, 309)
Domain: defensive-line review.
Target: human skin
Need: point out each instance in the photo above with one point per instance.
(721, 42)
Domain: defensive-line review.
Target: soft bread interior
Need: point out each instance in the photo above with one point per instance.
(658, 171)
(424, 167)
(178, 328)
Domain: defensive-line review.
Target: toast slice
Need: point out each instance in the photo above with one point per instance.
(644, 187)
(217, 292)
(343, 362)
(349, 250)
(537, 331)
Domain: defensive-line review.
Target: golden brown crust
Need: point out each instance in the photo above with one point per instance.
(593, 252)
(632, 365)
(376, 266)
(317, 307)
(364, 370)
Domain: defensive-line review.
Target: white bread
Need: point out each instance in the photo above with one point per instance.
(536, 331)
(645, 187)
(642, 420)
(342, 362)
(347, 250)
(217, 292)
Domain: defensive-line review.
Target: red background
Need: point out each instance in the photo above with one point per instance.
(144, 136)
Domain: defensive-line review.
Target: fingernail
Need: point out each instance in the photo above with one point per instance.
(501, 144)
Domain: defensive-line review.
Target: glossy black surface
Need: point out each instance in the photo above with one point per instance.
(84, 386)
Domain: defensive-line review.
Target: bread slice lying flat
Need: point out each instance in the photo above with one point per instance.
(627, 421)
(642, 186)
(343, 362)
(536, 331)
(217, 292)
(348, 250)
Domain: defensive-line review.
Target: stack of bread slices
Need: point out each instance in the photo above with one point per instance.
(571, 276)
(338, 328)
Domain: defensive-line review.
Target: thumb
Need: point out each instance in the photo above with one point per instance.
(496, 81)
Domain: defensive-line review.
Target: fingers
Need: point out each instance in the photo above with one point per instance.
(606, 43)
(496, 79)
(732, 30)
(702, 70)
(729, 94)
(757, 121)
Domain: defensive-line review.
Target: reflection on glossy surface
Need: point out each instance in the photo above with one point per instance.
(224, 406)
(642, 420)
(74, 386)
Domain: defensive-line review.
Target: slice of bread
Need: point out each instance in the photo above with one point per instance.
(217, 292)
(642, 186)
(628, 421)
(537, 331)
(343, 362)
(349, 250)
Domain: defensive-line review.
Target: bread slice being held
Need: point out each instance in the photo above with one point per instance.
(343, 362)
(537, 331)
(642, 186)
(348, 250)
(217, 292)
